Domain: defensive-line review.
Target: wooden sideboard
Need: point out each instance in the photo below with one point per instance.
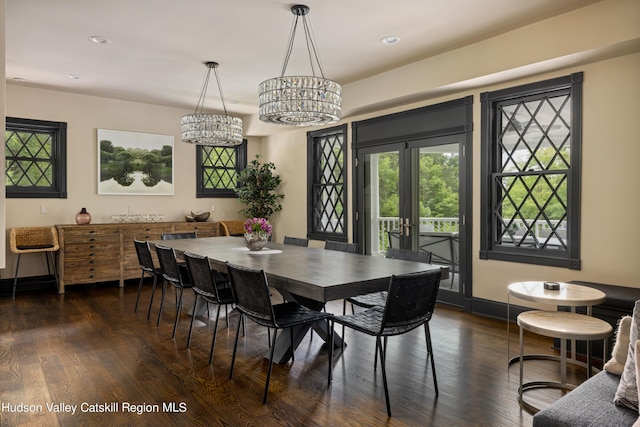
(105, 252)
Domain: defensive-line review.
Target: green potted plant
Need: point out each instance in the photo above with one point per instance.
(258, 184)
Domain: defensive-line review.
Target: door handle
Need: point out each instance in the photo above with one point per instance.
(407, 227)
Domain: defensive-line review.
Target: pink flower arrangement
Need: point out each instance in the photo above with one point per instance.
(259, 226)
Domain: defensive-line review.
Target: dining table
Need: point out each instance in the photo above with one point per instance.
(310, 276)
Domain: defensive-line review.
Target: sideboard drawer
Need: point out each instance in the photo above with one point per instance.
(88, 235)
(105, 252)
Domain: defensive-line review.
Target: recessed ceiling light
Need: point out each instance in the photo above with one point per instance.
(73, 76)
(390, 40)
(99, 40)
(19, 79)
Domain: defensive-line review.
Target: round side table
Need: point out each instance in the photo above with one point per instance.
(569, 295)
(565, 326)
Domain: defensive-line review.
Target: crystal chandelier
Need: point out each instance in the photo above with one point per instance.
(220, 130)
(300, 100)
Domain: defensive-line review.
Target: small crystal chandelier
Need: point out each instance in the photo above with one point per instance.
(220, 130)
(300, 100)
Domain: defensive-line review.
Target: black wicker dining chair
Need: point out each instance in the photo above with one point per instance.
(410, 302)
(380, 298)
(171, 273)
(181, 235)
(252, 298)
(205, 285)
(332, 245)
(185, 235)
(296, 241)
(147, 266)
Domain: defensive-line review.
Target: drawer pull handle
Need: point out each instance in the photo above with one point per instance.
(92, 240)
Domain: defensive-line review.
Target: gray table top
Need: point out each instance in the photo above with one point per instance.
(318, 274)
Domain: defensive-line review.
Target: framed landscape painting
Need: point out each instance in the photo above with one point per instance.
(134, 163)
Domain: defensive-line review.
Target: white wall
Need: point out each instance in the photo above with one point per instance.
(84, 115)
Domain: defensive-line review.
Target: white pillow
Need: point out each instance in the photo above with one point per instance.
(615, 365)
(637, 350)
(627, 392)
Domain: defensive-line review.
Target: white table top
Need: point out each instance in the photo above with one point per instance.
(569, 294)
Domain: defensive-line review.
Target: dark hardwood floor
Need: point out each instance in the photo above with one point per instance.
(89, 349)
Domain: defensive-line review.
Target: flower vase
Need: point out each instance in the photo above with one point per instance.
(255, 242)
(83, 217)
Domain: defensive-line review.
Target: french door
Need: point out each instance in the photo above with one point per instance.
(411, 199)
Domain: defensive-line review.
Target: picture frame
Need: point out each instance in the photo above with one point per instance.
(134, 163)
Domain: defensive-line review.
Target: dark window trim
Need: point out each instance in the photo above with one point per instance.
(311, 136)
(201, 192)
(571, 258)
(59, 154)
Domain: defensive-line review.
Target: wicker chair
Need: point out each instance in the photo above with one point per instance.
(145, 259)
(27, 240)
(296, 241)
(231, 228)
(174, 236)
(206, 286)
(171, 273)
(331, 245)
(253, 300)
(410, 303)
(380, 298)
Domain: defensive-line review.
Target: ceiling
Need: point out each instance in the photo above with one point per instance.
(157, 47)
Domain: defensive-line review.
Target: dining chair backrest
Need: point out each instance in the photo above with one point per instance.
(251, 294)
(169, 265)
(24, 240)
(440, 245)
(231, 228)
(202, 278)
(411, 300)
(332, 245)
(297, 241)
(416, 256)
(173, 236)
(145, 258)
(394, 238)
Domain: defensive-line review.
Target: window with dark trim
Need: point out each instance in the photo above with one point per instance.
(327, 178)
(35, 159)
(217, 169)
(531, 149)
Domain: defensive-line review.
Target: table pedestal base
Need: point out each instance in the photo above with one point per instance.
(536, 385)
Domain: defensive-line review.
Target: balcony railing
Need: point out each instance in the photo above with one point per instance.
(541, 229)
(386, 224)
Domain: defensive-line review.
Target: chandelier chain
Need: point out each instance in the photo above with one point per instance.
(312, 51)
(224, 107)
(203, 92)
